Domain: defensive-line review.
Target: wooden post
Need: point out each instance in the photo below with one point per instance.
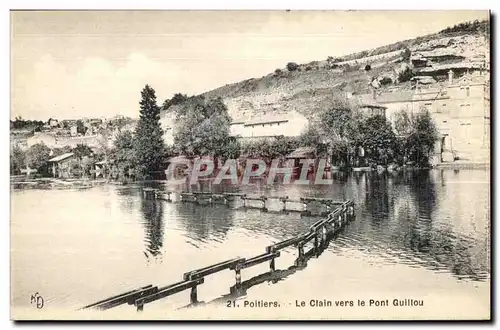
(272, 265)
(316, 242)
(194, 295)
(238, 278)
(140, 305)
(300, 258)
(244, 201)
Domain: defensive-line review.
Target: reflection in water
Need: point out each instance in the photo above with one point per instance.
(152, 213)
(435, 219)
(402, 221)
(275, 276)
(205, 223)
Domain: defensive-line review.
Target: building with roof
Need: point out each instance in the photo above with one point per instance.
(459, 107)
(271, 125)
(61, 165)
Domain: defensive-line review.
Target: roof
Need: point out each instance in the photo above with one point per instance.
(424, 79)
(438, 52)
(271, 118)
(239, 120)
(61, 157)
(450, 66)
(367, 101)
(372, 105)
(393, 97)
(302, 152)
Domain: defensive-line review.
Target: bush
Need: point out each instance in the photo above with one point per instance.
(278, 72)
(406, 54)
(386, 81)
(467, 27)
(405, 75)
(292, 66)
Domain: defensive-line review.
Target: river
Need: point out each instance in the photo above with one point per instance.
(420, 234)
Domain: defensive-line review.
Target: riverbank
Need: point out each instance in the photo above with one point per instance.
(463, 165)
(22, 182)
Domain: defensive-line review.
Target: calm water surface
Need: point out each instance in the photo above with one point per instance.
(429, 230)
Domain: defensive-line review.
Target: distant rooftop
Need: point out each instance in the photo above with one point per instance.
(270, 118)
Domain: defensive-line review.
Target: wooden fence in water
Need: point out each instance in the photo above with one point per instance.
(306, 206)
(318, 233)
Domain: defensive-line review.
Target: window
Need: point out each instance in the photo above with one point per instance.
(467, 92)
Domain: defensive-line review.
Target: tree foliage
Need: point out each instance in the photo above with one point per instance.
(203, 129)
(417, 136)
(292, 66)
(338, 124)
(32, 125)
(149, 147)
(311, 137)
(178, 98)
(17, 160)
(82, 150)
(270, 148)
(122, 156)
(37, 156)
(378, 140)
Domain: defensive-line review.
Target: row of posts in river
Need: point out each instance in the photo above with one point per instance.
(304, 205)
(318, 232)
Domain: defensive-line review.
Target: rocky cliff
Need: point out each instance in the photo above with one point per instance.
(302, 87)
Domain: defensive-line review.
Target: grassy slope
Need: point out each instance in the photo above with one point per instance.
(300, 90)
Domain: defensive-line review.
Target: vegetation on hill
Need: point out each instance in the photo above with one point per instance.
(21, 124)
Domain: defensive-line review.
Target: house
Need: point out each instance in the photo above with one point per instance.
(237, 126)
(101, 169)
(372, 108)
(73, 130)
(61, 165)
(460, 108)
(303, 153)
(273, 125)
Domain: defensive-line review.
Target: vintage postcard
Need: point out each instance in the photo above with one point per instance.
(250, 165)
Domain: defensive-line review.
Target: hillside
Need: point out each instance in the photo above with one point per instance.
(302, 87)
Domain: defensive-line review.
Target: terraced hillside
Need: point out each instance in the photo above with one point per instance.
(301, 87)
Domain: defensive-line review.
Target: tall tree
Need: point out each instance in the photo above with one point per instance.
(417, 136)
(337, 122)
(149, 146)
(122, 156)
(378, 140)
(83, 153)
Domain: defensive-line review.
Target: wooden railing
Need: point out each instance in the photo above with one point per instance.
(318, 233)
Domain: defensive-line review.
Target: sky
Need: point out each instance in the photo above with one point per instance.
(78, 64)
